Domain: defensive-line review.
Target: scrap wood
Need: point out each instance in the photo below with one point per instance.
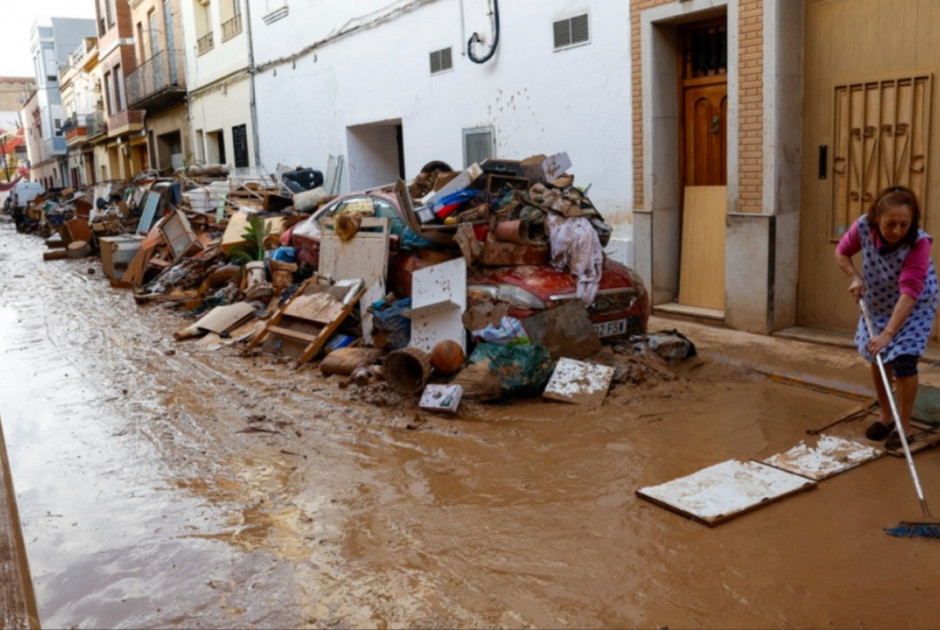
(220, 319)
(175, 296)
(310, 319)
(134, 274)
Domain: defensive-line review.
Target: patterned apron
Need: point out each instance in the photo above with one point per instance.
(881, 274)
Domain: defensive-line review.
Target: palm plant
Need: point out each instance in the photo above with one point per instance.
(256, 232)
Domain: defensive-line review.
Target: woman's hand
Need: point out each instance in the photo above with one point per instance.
(879, 342)
(857, 288)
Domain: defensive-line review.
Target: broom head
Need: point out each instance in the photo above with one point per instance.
(915, 530)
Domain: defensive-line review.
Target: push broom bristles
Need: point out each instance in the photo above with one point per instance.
(915, 530)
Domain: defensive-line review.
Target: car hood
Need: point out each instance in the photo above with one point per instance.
(546, 282)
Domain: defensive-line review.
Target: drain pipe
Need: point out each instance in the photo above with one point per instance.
(252, 103)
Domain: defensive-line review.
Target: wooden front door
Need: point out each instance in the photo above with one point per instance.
(866, 127)
(704, 164)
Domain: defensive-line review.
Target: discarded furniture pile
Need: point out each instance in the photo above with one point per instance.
(407, 297)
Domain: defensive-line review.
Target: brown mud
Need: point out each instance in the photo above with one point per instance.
(183, 484)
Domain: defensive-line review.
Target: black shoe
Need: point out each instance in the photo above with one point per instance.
(878, 431)
(893, 442)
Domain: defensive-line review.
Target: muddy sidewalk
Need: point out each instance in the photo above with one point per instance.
(182, 484)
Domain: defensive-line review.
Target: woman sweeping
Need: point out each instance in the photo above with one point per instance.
(899, 286)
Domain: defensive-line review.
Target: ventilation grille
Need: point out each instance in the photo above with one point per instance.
(441, 60)
(478, 144)
(571, 32)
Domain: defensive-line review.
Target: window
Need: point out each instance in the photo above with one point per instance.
(57, 125)
(705, 51)
(571, 32)
(109, 94)
(880, 139)
(240, 145)
(204, 39)
(154, 32)
(119, 87)
(479, 143)
(170, 40)
(441, 60)
(140, 42)
(230, 14)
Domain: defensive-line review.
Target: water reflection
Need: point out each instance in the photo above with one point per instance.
(112, 541)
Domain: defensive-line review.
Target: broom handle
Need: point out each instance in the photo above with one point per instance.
(895, 414)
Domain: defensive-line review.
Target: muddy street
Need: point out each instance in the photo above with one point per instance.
(183, 484)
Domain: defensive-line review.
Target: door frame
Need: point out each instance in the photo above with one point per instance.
(657, 222)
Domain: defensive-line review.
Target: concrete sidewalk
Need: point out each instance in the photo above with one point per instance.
(816, 359)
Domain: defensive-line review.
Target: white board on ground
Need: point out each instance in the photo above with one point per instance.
(578, 381)
(831, 455)
(721, 492)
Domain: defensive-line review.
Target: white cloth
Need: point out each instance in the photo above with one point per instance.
(576, 247)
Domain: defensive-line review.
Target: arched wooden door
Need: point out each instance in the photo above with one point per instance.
(704, 140)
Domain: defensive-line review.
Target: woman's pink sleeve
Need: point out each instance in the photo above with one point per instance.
(849, 244)
(914, 271)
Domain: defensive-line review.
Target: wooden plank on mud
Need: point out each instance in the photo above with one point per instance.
(17, 599)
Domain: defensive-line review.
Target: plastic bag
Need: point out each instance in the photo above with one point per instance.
(387, 318)
(498, 371)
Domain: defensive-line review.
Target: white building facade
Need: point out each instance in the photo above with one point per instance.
(51, 42)
(217, 47)
(390, 86)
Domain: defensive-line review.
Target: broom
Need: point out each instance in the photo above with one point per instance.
(910, 529)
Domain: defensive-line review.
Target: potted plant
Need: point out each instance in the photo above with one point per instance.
(251, 254)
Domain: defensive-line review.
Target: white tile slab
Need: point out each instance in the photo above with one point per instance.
(830, 456)
(578, 381)
(726, 490)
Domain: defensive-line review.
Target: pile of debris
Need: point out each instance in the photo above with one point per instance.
(220, 247)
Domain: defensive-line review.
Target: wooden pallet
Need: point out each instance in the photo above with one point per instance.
(309, 318)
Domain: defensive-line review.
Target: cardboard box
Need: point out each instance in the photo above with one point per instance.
(539, 168)
(236, 227)
(441, 398)
(460, 182)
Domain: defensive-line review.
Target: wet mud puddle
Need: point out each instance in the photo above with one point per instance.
(166, 484)
(117, 534)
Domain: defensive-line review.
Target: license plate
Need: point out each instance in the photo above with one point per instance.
(611, 328)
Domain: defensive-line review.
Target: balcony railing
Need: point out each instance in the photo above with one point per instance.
(160, 77)
(74, 130)
(95, 124)
(69, 123)
(126, 121)
(204, 44)
(232, 27)
(76, 136)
